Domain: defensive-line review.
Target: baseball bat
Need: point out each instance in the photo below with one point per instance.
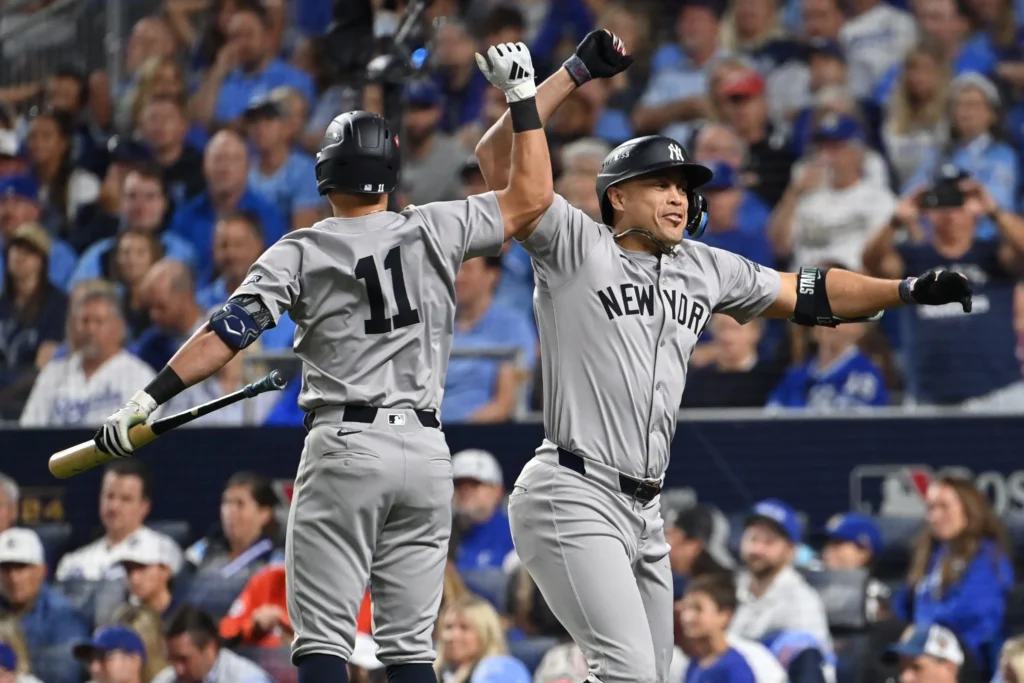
(86, 455)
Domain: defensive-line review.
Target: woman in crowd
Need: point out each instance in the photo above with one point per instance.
(11, 636)
(63, 186)
(134, 253)
(960, 572)
(915, 121)
(146, 623)
(472, 639)
(32, 315)
(245, 542)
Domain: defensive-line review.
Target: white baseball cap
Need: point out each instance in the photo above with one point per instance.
(478, 465)
(21, 546)
(148, 549)
(934, 640)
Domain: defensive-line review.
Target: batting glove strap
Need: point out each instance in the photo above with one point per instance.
(145, 403)
(523, 91)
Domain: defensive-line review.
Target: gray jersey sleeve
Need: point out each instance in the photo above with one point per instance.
(561, 242)
(746, 288)
(466, 228)
(274, 278)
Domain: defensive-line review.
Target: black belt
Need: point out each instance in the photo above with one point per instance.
(644, 490)
(367, 415)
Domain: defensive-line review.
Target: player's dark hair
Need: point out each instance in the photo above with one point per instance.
(131, 467)
(718, 586)
(71, 72)
(250, 218)
(262, 491)
(199, 625)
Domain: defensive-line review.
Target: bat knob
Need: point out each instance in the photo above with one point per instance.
(275, 380)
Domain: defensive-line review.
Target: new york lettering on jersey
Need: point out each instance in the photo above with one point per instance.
(373, 299)
(654, 309)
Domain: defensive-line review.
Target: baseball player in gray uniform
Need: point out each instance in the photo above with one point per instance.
(372, 294)
(619, 309)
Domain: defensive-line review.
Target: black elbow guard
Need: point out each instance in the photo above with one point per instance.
(241, 321)
(812, 304)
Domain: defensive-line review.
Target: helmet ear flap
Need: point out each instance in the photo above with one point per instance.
(696, 215)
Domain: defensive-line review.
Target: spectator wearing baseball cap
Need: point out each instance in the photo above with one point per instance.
(773, 597)
(115, 654)
(278, 171)
(149, 561)
(196, 654)
(32, 315)
(10, 665)
(931, 653)
(484, 533)
(699, 540)
(769, 154)
(737, 220)
(50, 623)
(19, 204)
(431, 159)
(854, 541)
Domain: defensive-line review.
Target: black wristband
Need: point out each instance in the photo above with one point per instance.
(524, 115)
(165, 386)
(907, 291)
(577, 69)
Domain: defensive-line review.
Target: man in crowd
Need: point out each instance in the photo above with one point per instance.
(50, 624)
(115, 654)
(125, 500)
(485, 389)
(485, 538)
(773, 597)
(19, 204)
(170, 296)
(737, 220)
(80, 389)
(246, 67)
(928, 654)
(461, 83)
(854, 541)
(737, 375)
(226, 168)
(676, 96)
(196, 656)
(699, 542)
(164, 125)
(279, 172)
(431, 159)
(143, 209)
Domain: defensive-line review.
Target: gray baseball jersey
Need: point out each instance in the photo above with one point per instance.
(616, 330)
(373, 300)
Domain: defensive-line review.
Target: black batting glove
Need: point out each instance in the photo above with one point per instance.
(938, 287)
(600, 55)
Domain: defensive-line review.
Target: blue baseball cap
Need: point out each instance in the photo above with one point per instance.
(423, 93)
(724, 177)
(8, 660)
(855, 528)
(825, 46)
(110, 638)
(23, 186)
(932, 640)
(838, 128)
(779, 515)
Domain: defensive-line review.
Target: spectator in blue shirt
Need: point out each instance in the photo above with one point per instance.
(115, 653)
(143, 209)
(460, 81)
(279, 172)
(169, 292)
(737, 219)
(246, 68)
(676, 95)
(226, 167)
(960, 571)
(483, 389)
(485, 539)
(19, 204)
(707, 608)
(50, 624)
(837, 378)
(237, 243)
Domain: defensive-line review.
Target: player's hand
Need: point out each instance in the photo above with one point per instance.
(977, 199)
(907, 208)
(112, 437)
(509, 68)
(938, 287)
(600, 55)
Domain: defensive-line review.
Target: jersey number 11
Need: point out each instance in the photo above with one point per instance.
(379, 323)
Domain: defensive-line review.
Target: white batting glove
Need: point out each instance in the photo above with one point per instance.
(509, 67)
(112, 437)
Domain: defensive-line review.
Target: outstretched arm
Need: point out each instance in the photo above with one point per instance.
(599, 55)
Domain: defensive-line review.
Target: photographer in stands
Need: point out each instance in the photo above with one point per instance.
(954, 356)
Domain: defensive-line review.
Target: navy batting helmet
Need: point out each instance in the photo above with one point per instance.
(650, 154)
(359, 154)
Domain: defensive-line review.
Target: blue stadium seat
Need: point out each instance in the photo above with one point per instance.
(56, 537)
(178, 529)
(489, 584)
(531, 650)
(898, 535)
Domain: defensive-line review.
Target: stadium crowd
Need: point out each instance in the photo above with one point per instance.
(876, 136)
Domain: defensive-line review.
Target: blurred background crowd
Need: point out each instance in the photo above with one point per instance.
(150, 152)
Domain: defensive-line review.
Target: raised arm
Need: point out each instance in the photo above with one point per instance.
(599, 55)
